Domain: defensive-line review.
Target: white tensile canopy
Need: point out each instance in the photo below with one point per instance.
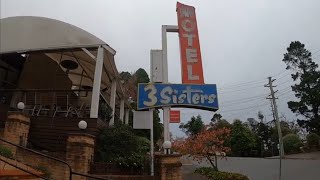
(59, 40)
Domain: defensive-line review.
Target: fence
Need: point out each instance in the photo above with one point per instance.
(101, 168)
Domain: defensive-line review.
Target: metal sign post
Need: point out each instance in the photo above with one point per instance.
(166, 110)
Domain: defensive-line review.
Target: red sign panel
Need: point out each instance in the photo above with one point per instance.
(191, 63)
(174, 116)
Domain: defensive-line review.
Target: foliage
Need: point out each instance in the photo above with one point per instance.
(157, 128)
(260, 116)
(263, 138)
(313, 140)
(292, 143)
(131, 81)
(119, 144)
(205, 144)
(212, 174)
(6, 152)
(125, 76)
(142, 76)
(193, 127)
(104, 112)
(216, 117)
(242, 139)
(205, 170)
(221, 123)
(307, 89)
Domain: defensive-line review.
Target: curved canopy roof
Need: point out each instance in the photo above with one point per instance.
(59, 40)
(29, 33)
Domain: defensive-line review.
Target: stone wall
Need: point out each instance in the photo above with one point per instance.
(168, 167)
(80, 152)
(16, 130)
(56, 169)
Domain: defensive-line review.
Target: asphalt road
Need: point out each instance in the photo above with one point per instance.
(263, 169)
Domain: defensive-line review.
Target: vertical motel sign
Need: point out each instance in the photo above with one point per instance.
(192, 93)
(191, 63)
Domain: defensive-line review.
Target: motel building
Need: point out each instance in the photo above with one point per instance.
(55, 78)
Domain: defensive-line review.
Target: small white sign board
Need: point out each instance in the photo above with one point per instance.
(156, 66)
(142, 119)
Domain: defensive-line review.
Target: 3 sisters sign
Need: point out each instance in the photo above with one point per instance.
(177, 95)
(192, 92)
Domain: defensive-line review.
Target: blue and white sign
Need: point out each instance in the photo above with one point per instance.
(199, 96)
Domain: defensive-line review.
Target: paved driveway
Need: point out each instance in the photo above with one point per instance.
(264, 169)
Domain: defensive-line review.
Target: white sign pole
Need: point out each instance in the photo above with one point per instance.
(166, 110)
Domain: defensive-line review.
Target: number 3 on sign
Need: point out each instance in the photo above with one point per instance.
(151, 95)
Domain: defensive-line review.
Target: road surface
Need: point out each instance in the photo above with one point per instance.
(262, 169)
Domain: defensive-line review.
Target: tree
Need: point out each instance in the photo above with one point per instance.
(216, 117)
(307, 87)
(119, 144)
(131, 82)
(291, 143)
(142, 76)
(125, 75)
(193, 127)
(242, 139)
(204, 144)
(260, 116)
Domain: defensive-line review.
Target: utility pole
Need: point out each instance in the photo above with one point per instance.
(276, 115)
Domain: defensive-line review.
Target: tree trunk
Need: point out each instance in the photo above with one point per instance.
(211, 162)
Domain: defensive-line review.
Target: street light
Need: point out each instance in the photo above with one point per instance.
(82, 125)
(167, 145)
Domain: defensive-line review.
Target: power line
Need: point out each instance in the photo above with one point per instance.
(253, 82)
(237, 90)
(250, 97)
(242, 108)
(241, 84)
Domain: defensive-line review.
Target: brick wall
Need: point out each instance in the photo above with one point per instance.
(57, 169)
(168, 167)
(16, 129)
(80, 152)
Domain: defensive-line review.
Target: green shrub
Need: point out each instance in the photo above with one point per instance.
(291, 143)
(119, 145)
(205, 170)
(313, 140)
(5, 152)
(212, 174)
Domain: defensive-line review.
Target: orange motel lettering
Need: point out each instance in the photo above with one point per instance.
(191, 63)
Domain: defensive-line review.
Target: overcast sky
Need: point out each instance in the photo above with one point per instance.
(242, 41)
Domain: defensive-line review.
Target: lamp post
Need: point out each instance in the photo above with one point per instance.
(82, 125)
(20, 106)
(166, 146)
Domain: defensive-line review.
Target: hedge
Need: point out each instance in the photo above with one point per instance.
(292, 143)
(313, 140)
(213, 174)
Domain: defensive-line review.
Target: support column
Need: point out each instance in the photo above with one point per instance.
(168, 167)
(122, 110)
(166, 110)
(127, 116)
(96, 84)
(16, 130)
(80, 152)
(113, 100)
